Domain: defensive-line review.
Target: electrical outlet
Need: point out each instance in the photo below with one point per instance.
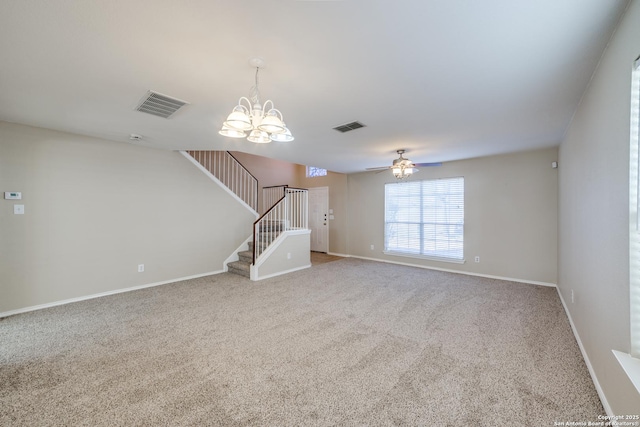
(371, 247)
(140, 268)
(477, 259)
(288, 255)
(572, 298)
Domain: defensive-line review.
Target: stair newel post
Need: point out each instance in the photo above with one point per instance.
(254, 244)
(287, 200)
(306, 210)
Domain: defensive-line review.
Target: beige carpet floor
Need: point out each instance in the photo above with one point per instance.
(318, 258)
(350, 342)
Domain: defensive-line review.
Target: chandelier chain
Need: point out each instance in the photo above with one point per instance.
(255, 92)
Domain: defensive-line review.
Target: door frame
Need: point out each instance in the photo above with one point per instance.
(327, 211)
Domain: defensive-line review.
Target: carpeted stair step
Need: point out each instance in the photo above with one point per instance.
(246, 256)
(243, 268)
(243, 265)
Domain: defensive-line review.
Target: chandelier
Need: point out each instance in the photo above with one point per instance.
(264, 125)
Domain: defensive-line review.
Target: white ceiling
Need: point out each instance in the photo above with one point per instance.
(443, 79)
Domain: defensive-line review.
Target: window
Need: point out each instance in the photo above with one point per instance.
(634, 204)
(631, 362)
(313, 172)
(425, 219)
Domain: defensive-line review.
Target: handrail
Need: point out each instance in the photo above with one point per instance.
(257, 221)
(242, 166)
(290, 212)
(272, 207)
(255, 201)
(271, 195)
(230, 172)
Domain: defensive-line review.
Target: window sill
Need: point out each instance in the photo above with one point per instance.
(430, 258)
(631, 367)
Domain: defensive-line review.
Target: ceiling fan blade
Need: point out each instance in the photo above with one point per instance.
(428, 164)
(376, 169)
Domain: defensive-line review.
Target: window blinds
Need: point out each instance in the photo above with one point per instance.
(634, 204)
(425, 218)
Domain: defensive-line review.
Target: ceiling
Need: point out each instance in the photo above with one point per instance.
(443, 79)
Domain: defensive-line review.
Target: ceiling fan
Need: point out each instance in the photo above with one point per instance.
(402, 167)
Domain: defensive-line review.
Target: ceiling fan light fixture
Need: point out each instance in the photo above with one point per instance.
(403, 173)
(402, 168)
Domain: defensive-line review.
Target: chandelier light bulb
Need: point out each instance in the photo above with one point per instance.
(272, 123)
(239, 119)
(282, 136)
(232, 133)
(259, 137)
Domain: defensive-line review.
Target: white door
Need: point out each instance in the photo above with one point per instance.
(319, 218)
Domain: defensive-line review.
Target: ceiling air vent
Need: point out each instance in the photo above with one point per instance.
(159, 105)
(349, 126)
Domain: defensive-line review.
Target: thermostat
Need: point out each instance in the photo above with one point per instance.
(12, 195)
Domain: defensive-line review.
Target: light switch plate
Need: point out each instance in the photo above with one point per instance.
(18, 209)
(12, 195)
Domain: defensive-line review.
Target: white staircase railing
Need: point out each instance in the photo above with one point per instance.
(288, 213)
(231, 173)
(271, 196)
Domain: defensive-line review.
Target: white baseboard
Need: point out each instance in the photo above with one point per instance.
(102, 294)
(280, 273)
(488, 276)
(603, 398)
(337, 254)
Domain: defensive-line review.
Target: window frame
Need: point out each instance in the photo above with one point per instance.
(315, 175)
(427, 229)
(631, 362)
(634, 211)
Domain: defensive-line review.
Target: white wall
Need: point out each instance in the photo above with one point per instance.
(95, 209)
(290, 254)
(594, 215)
(268, 172)
(338, 201)
(510, 215)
